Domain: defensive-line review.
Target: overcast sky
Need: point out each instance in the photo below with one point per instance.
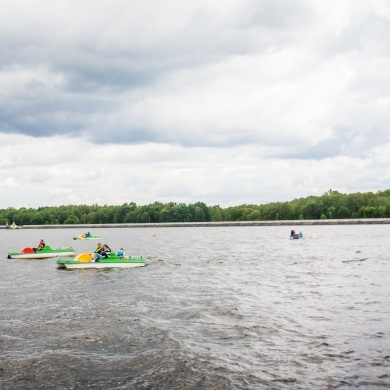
(220, 101)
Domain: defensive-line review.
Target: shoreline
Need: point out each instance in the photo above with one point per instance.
(308, 222)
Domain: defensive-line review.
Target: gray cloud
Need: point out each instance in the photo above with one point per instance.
(286, 83)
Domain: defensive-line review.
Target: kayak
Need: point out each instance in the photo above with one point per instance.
(45, 253)
(86, 260)
(90, 237)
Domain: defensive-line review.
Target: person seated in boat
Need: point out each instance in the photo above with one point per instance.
(106, 251)
(121, 253)
(98, 254)
(40, 246)
(292, 233)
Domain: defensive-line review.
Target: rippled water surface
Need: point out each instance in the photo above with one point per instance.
(215, 308)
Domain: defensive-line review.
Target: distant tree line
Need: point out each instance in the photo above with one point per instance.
(331, 205)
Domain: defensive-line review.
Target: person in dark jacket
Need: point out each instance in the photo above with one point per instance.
(106, 251)
(40, 246)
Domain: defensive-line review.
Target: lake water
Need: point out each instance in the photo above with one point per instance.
(215, 308)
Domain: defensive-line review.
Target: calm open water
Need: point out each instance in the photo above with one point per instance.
(216, 308)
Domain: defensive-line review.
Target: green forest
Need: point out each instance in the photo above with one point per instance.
(331, 205)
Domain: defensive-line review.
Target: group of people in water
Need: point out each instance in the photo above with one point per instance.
(104, 251)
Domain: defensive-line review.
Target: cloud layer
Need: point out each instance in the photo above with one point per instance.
(226, 102)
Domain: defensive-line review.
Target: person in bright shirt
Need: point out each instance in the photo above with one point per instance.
(121, 253)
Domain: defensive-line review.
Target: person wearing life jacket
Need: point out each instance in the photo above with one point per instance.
(98, 252)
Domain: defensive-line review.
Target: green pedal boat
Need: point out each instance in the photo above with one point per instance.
(86, 260)
(45, 253)
(87, 236)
